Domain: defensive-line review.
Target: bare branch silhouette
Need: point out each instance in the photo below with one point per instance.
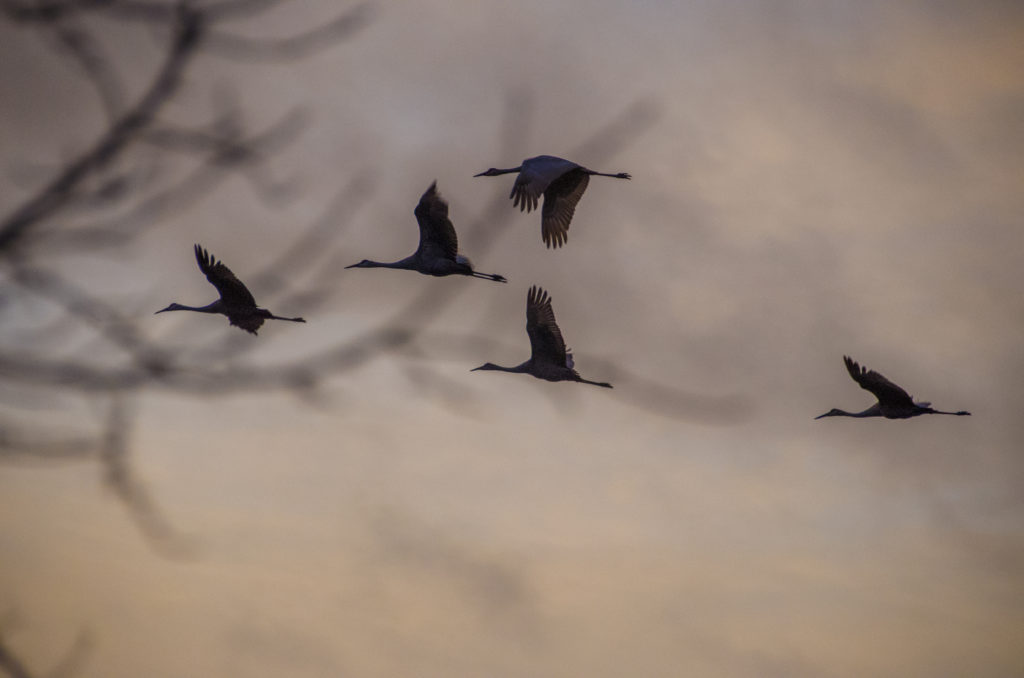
(87, 350)
(15, 667)
(111, 194)
(293, 47)
(95, 64)
(11, 664)
(188, 29)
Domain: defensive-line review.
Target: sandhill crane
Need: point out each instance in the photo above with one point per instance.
(549, 358)
(438, 253)
(562, 183)
(893, 401)
(236, 302)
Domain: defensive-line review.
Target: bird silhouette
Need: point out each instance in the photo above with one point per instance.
(893, 401)
(438, 253)
(236, 302)
(562, 184)
(549, 359)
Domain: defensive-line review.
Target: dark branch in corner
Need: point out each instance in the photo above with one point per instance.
(11, 664)
(133, 361)
(114, 141)
(40, 229)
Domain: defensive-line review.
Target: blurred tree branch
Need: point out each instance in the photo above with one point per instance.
(60, 357)
(14, 666)
(13, 228)
(66, 347)
(11, 664)
(91, 353)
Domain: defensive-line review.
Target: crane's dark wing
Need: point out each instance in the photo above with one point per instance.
(437, 234)
(546, 341)
(526, 191)
(535, 176)
(887, 392)
(232, 291)
(560, 200)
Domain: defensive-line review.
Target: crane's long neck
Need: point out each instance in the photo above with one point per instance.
(500, 368)
(494, 171)
(406, 263)
(215, 307)
(872, 411)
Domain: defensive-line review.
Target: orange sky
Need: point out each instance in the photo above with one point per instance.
(812, 180)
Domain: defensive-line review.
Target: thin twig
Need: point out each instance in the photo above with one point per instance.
(62, 188)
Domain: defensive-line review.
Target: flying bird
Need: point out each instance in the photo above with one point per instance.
(562, 184)
(549, 359)
(236, 302)
(438, 253)
(893, 401)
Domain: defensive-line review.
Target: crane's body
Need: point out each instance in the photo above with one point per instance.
(438, 251)
(236, 301)
(893, 401)
(549, 358)
(561, 182)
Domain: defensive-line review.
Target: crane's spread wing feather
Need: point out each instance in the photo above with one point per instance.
(546, 341)
(560, 200)
(437, 234)
(887, 392)
(526, 192)
(535, 175)
(232, 291)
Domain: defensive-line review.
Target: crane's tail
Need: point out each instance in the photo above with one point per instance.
(489, 276)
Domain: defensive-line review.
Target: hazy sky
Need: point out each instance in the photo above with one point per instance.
(810, 179)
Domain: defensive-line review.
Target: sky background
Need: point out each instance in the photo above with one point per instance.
(810, 179)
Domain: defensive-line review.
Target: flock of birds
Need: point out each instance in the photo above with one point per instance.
(562, 184)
